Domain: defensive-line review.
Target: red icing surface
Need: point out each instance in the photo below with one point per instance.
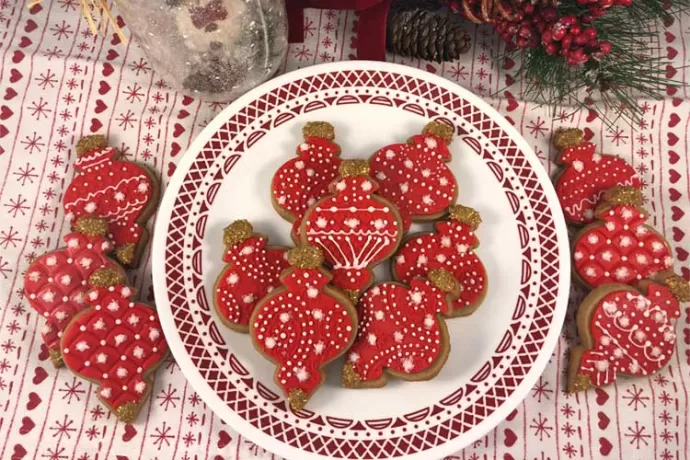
(115, 190)
(586, 176)
(253, 270)
(415, 177)
(115, 343)
(301, 181)
(398, 330)
(451, 248)
(354, 230)
(301, 328)
(620, 249)
(55, 283)
(632, 333)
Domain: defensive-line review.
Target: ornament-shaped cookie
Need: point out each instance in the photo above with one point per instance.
(619, 247)
(117, 343)
(586, 175)
(303, 180)
(626, 331)
(303, 325)
(253, 270)
(415, 177)
(355, 228)
(55, 284)
(451, 247)
(125, 194)
(401, 331)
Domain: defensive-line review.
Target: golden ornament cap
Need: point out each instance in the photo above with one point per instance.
(125, 253)
(89, 143)
(354, 168)
(128, 412)
(443, 279)
(466, 215)
(441, 130)
(91, 226)
(106, 277)
(350, 378)
(678, 287)
(568, 137)
(56, 357)
(624, 195)
(305, 257)
(581, 383)
(237, 232)
(321, 129)
(297, 399)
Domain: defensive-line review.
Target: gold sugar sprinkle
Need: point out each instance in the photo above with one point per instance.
(354, 168)
(106, 277)
(443, 279)
(297, 399)
(582, 382)
(237, 232)
(56, 357)
(305, 257)
(352, 295)
(125, 253)
(624, 195)
(570, 137)
(350, 378)
(128, 412)
(88, 143)
(321, 129)
(440, 129)
(466, 215)
(679, 288)
(91, 226)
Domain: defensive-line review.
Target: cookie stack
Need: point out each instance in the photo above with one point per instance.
(306, 306)
(626, 323)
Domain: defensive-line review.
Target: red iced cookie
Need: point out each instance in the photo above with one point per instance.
(253, 270)
(355, 228)
(300, 181)
(401, 331)
(586, 175)
(55, 283)
(625, 330)
(122, 192)
(303, 325)
(450, 247)
(117, 343)
(414, 176)
(619, 247)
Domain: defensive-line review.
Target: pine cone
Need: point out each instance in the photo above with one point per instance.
(420, 33)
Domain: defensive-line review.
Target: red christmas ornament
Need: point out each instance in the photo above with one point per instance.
(355, 228)
(253, 271)
(301, 181)
(414, 176)
(401, 332)
(121, 192)
(626, 331)
(303, 325)
(55, 283)
(586, 175)
(117, 343)
(450, 247)
(619, 248)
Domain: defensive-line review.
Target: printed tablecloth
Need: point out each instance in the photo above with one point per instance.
(58, 82)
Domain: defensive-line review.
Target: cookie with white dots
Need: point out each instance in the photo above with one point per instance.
(586, 175)
(401, 333)
(303, 325)
(626, 330)
(253, 270)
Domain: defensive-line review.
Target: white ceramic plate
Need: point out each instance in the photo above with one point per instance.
(496, 354)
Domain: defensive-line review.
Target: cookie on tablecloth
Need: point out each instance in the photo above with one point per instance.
(253, 270)
(303, 325)
(300, 181)
(125, 194)
(401, 331)
(117, 343)
(415, 177)
(355, 228)
(451, 247)
(626, 331)
(619, 247)
(56, 282)
(586, 175)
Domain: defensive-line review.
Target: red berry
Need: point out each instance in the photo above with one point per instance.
(568, 20)
(549, 14)
(525, 32)
(567, 41)
(605, 47)
(605, 3)
(558, 32)
(521, 42)
(575, 29)
(551, 48)
(529, 8)
(586, 18)
(546, 37)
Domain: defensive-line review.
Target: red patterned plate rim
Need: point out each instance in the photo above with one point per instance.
(248, 405)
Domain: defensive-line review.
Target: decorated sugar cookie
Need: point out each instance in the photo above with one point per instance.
(586, 175)
(415, 177)
(125, 194)
(619, 247)
(626, 330)
(55, 284)
(117, 343)
(355, 228)
(401, 331)
(450, 247)
(303, 325)
(300, 181)
(253, 270)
